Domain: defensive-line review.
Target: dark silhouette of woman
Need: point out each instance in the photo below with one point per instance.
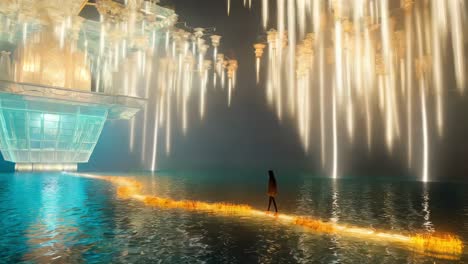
(272, 190)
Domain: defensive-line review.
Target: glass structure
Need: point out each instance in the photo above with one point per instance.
(63, 74)
(47, 128)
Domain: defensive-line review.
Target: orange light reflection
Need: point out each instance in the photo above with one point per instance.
(445, 246)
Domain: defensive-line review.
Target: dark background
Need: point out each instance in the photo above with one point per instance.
(248, 134)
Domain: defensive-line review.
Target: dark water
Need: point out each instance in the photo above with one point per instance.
(58, 218)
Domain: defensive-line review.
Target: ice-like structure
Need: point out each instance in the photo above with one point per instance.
(47, 125)
(60, 75)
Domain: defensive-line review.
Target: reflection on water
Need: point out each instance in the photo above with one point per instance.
(426, 211)
(57, 218)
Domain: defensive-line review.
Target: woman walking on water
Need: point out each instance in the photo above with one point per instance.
(272, 190)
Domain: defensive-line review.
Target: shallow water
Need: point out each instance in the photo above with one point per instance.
(61, 218)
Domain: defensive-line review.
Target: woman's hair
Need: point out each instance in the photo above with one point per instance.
(270, 172)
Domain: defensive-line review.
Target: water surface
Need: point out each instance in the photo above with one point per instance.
(54, 217)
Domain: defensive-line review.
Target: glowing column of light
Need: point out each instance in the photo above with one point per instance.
(229, 91)
(456, 21)
(389, 113)
(202, 94)
(201, 56)
(349, 96)
(155, 137)
(265, 11)
(278, 70)
(358, 12)
(102, 36)
(421, 70)
(149, 69)
(228, 7)
(204, 82)
(223, 73)
(162, 75)
(316, 16)
(409, 80)
(169, 92)
(338, 60)
(215, 41)
(280, 19)
(437, 64)
(25, 32)
(307, 111)
(385, 35)
(335, 136)
(258, 56)
(273, 91)
(301, 16)
(185, 93)
(368, 67)
(425, 131)
(300, 106)
(292, 55)
(62, 35)
(167, 40)
(323, 138)
(269, 82)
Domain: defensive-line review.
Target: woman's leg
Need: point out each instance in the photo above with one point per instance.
(269, 203)
(274, 203)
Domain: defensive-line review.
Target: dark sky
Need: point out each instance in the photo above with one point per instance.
(248, 134)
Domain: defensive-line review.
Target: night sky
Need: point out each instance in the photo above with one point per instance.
(249, 135)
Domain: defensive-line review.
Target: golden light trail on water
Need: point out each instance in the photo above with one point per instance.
(375, 53)
(444, 246)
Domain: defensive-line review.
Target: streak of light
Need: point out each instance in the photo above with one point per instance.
(265, 11)
(425, 172)
(155, 139)
(257, 68)
(335, 138)
(229, 92)
(323, 138)
(292, 55)
(409, 88)
(338, 60)
(456, 21)
(438, 78)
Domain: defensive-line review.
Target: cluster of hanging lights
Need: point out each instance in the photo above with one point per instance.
(348, 69)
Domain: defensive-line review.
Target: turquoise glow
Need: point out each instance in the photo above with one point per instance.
(33, 131)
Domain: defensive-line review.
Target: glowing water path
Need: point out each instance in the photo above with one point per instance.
(444, 246)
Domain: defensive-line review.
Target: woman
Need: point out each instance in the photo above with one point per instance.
(272, 190)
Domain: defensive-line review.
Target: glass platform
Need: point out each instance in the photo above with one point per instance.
(48, 125)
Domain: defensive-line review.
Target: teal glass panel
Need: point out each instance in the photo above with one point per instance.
(48, 132)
